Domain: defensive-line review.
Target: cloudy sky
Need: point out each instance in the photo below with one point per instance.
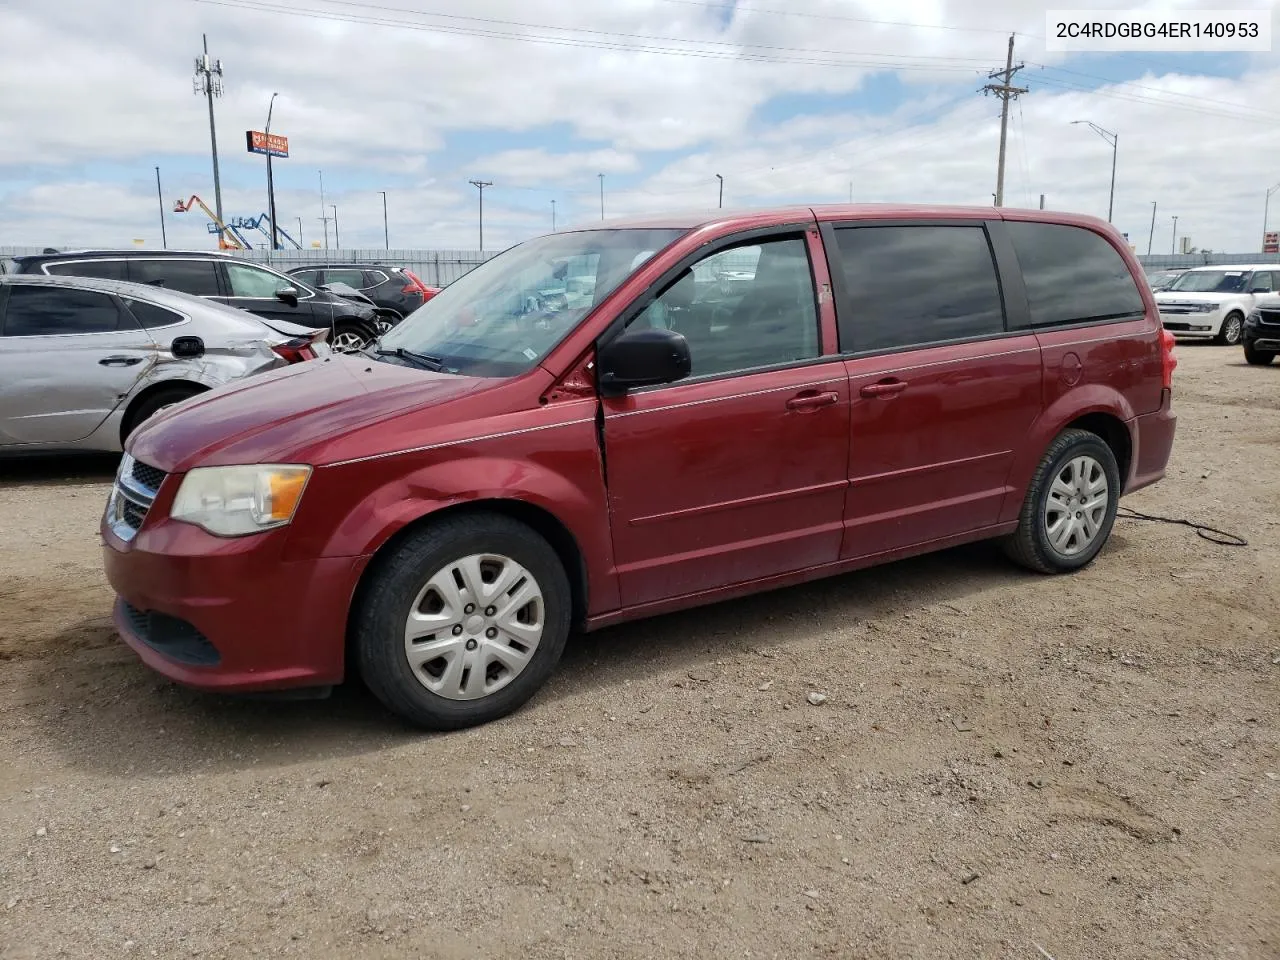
(789, 100)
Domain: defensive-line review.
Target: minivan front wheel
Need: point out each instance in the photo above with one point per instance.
(1070, 506)
(464, 622)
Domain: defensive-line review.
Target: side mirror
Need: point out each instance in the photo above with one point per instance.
(289, 295)
(643, 358)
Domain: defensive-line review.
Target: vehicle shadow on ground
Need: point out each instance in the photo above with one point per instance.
(78, 468)
(103, 710)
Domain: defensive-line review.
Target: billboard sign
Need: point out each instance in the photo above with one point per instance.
(259, 142)
(1271, 242)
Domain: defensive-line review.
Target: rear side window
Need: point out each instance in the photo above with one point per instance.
(915, 285)
(197, 277)
(150, 315)
(309, 276)
(352, 278)
(105, 269)
(35, 311)
(1072, 275)
(374, 277)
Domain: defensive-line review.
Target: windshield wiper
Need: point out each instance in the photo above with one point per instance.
(421, 359)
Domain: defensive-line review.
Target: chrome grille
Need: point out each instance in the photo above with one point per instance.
(131, 497)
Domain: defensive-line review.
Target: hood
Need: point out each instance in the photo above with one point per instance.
(296, 413)
(1176, 296)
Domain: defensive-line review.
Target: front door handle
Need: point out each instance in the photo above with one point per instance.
(811, 401)
(119, 361)
(886, 388)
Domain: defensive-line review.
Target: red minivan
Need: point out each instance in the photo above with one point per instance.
(614, 422)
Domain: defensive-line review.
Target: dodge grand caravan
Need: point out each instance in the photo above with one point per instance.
(503, 467)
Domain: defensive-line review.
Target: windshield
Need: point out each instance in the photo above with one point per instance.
(1210, 281)
(504, 316)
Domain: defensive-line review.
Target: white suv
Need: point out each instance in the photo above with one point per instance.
(1212, 302)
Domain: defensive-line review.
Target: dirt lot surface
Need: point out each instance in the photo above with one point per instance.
(1006, 765)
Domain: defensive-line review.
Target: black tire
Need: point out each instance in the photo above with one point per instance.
(148, 408)
(1232, 330)
(344, 329)
(384, 606)
(1029, 545)
(1259, 358)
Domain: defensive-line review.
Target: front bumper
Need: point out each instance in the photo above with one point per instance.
(1192, 324)
(229, 615)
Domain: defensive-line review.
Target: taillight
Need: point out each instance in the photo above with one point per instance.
(300, 348)
(414, 285)
(1168, 358)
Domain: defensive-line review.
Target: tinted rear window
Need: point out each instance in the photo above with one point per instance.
(198, 277)
(105, 269)
(36, 311)
(910, 286)
(1072, 275)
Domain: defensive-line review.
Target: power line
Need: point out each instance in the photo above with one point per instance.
(731, 51)
(1148, 101)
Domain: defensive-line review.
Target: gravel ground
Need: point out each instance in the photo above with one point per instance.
(1005, 764)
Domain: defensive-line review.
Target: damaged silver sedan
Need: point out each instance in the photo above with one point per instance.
(84, 361)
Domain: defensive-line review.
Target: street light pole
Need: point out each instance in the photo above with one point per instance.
(337, 244)
(1114, 140)
(299, 231)
(721, 179)
(480, 185)
(553, 216)
(164, 240)
(1173, 241)
(271, 190)
(1151, 237)
(324, 218)
(601, 176)
(386, 233)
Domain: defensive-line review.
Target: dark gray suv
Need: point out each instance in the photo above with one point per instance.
(225, 279)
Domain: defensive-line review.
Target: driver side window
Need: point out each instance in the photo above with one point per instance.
(745, 307)
(247, 281)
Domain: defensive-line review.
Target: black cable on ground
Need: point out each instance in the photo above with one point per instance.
(1208, 533)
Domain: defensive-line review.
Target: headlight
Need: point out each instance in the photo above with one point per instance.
(1206, 307)
(235, 501)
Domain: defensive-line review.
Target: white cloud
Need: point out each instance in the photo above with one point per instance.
(107, 87)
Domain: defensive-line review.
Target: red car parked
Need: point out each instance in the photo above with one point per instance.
(595, 426)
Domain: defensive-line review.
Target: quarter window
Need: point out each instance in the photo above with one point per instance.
(742, 308)
(249, 281)
(35, 311)
(196, 277)
(1072, 275)
(915, 285)
(150, 315)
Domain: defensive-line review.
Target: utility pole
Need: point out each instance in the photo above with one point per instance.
(337, 244)
(1266, 209)
(208, 82)
(553, 216)
(386, 233)
(1042, 201)
(601, 176)
(1006, 92)
(299, 231)
(324, 217)
(271, 187)
(721, 179)
(164, 240)
(1113, 139)
(480, 185)
(1152, 236)
(1173, 241)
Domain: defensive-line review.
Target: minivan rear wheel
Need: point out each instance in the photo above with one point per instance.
(1070, 505)
(463, 622)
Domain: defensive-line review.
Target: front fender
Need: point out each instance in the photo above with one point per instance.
(354, 509)
(1084, 400)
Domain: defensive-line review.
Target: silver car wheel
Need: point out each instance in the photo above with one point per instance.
(1076, 507)
(474, 627)
(348, 342)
